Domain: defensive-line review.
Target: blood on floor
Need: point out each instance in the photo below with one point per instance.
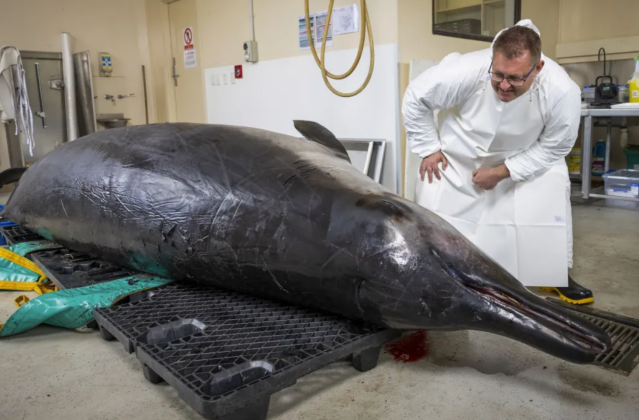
(409, 348)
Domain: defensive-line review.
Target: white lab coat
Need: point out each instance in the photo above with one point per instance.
(525, 223)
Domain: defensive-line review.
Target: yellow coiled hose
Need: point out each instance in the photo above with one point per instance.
(365, 27)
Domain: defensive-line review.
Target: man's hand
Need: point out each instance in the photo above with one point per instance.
(488, 178)
(430, 165)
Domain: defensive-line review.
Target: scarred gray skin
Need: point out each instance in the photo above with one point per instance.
(281, 217)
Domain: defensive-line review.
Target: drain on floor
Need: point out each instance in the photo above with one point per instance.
(623, 354)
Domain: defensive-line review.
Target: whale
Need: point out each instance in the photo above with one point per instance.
(282, 217)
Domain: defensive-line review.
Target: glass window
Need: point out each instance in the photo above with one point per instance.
(474, 19)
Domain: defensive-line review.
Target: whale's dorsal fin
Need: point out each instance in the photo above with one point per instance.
(320, 134)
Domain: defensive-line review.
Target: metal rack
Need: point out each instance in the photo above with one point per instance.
(375, 151)
(586, 157)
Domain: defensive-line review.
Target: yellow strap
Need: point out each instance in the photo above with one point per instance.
(21, 300)
(20, 286)
(21, 261)
(42, 288)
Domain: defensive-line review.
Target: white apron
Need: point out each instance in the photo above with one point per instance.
(523, 226)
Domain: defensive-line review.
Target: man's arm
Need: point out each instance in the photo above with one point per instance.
(443, 86)
(555, 142)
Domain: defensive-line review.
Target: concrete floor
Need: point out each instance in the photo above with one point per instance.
(50, 373)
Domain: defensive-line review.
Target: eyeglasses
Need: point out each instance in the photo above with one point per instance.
(512, 80)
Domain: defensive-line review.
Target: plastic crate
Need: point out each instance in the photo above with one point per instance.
(632, 157)
(622, 183)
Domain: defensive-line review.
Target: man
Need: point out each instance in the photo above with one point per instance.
(494, 165)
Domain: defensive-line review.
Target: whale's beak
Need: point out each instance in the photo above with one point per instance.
(495, 301)
(519, 314)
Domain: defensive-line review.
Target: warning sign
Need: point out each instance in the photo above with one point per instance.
(188, 38)
(190, 58)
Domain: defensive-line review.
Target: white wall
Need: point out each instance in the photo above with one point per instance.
(273, 93)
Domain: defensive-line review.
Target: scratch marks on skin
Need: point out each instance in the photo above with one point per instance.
(446, 299)
(102, 194)
(237, 208)
(405, 289)
(340, 250)
(273, 276)
(221, 208)
(279, 234)
(65, 210)
(295, 171)
(223, 166)
(425, 309)
(388, 247)
(303, 172)
(124, 205)
(358, 297)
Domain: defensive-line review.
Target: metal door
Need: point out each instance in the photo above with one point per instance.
(188, 82)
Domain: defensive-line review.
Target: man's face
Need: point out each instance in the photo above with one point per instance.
(516, 69)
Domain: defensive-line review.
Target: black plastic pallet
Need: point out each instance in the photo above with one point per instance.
(227, 353)
(69, 269)
(224, 352)
(17, 234)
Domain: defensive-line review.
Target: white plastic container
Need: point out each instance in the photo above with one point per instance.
(622, 183)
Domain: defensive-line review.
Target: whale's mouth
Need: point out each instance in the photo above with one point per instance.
(547, 315)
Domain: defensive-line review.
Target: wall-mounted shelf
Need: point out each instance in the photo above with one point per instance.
(474, 19)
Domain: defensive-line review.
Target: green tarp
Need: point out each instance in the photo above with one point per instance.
(73, 308)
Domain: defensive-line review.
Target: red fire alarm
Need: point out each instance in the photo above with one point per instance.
(238, 72)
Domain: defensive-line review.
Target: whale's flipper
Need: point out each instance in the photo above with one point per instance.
(320, 134)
